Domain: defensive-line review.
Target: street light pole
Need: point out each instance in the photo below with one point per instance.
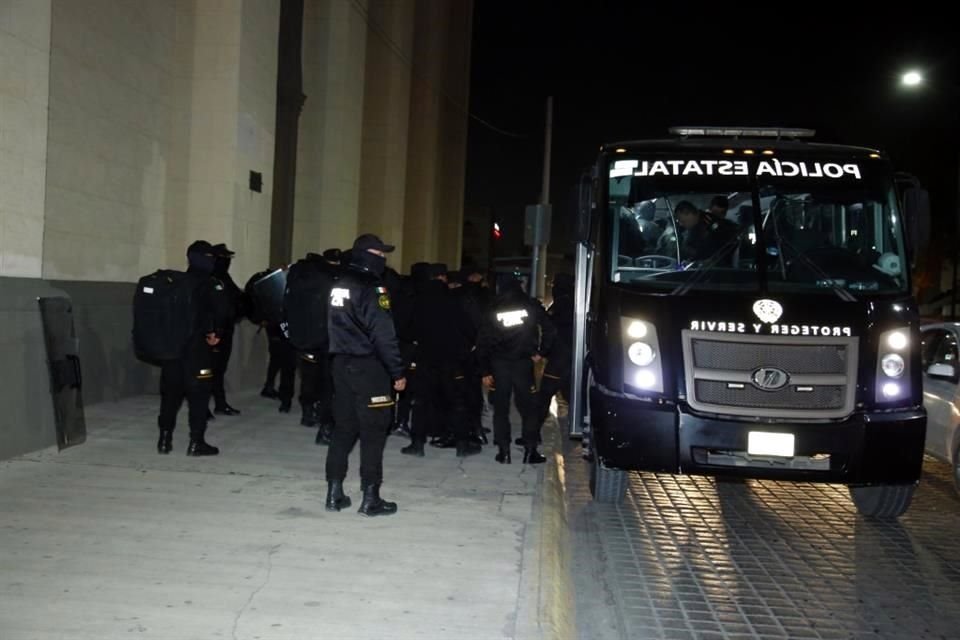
(912, 79)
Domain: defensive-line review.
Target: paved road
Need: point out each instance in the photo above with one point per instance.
(691, 557)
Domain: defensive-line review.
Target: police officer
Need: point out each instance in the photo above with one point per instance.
(474, 297)
(442, 331)
(556, 375)
(232, 298)
(190, 377)
(367, 369)
(516, 333)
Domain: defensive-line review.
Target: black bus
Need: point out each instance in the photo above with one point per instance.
(744, 308)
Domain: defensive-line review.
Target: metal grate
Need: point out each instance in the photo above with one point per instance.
(821, 397)
(750, 356)
(822, 372)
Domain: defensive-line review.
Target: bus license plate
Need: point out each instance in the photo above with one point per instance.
(761, 443)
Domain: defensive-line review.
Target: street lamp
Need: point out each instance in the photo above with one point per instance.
(912, 78)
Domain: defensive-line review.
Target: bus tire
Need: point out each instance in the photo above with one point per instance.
(885, 501)
(607, 485)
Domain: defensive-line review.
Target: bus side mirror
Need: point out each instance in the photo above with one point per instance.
(916, 205)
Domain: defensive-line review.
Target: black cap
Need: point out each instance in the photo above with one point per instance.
(221, 251)
(438, 269)
(370, 241)
(200, 246)
(332, 255)
(455, 277)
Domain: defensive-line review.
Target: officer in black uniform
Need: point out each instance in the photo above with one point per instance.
(190, 377)
(475, 299)
(443, 335)
(556, 375)
(232, 299)
(316, 381)
(367, 369)
(516, 333)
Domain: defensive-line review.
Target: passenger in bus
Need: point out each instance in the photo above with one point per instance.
(699, 240)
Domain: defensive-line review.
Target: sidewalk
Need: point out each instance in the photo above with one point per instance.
(111, 540)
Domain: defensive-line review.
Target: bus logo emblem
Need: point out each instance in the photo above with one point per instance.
(770, 378)
(768, 311)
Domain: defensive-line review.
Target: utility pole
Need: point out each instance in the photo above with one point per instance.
(538, 266)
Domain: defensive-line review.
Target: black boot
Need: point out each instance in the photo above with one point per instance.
(374, 505)
(165, 443)
(199, 447)
(503, 457)
(532, 456)
(269, 392)
(284, 407)
(226, 410)
(336, 499)
(468, 448)
(324, 434)
(413, 449)
(308, 417)
(400, 429)
(448, 441)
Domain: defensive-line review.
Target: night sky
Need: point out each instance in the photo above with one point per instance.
(621, 71)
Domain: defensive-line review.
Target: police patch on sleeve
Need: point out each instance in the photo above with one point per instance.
(383, 298)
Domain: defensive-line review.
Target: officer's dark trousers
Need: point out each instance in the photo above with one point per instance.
(221, 358)
(408, 399)
(474, 397)
(283, 360)
(441, 402)
(316, 385)
(181, 379)
(362, 403)
(514, 377)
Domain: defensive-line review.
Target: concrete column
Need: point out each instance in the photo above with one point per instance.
(425, 139)
(24, 102)
(386, 122)
(331, 125)
(453, 124)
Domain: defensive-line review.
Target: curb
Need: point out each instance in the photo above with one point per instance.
(547, 602)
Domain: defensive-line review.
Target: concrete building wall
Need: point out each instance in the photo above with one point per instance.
(386, 119)
(108, 151)
(130, 129)
(24, 98)
(331, 124)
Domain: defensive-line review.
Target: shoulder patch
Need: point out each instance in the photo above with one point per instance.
(384, 301)
(382, 290)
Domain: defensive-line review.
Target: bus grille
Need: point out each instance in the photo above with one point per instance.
(725, 374)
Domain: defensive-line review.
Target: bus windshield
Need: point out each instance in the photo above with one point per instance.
(682, 225)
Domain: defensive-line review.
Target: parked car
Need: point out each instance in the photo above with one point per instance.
(941, 394)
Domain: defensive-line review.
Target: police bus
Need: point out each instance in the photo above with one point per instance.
(744, 308)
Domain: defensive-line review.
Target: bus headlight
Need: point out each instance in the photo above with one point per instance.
(641, 366)
(893, 367)
(641, 354)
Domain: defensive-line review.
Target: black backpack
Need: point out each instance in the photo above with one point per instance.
(164, 314)
(264, 292)
(305, 304)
